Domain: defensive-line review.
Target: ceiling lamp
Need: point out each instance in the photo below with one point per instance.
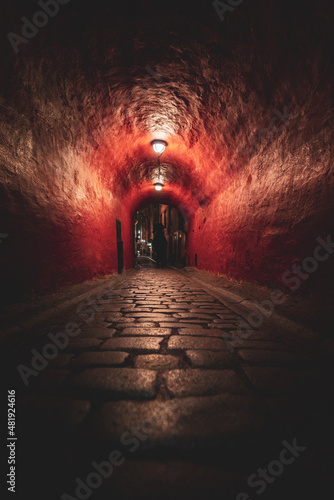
(159, 146)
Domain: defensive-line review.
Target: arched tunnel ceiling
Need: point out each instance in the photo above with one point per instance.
(136, 72)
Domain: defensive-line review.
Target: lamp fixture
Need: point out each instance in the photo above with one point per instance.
(159, 146)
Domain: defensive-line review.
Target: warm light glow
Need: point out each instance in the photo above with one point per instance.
(158, 186)
(159, 146)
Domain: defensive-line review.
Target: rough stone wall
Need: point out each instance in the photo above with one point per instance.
(269, 218)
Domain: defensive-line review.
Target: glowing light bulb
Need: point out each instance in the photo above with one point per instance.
(159, 146)
(158, 186)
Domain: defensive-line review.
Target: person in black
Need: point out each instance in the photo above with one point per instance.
(160, 245)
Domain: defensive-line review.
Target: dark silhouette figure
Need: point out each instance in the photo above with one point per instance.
(160, 245)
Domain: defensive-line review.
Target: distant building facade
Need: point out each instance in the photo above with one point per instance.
(175, 228)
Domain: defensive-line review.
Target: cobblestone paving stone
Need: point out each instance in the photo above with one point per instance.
(159, 350)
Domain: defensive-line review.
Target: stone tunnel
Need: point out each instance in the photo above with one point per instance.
(225, 362)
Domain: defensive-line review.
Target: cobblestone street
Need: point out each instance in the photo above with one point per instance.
(159, 373)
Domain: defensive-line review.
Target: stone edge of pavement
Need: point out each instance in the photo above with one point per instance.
(36, 318)
(243, 306)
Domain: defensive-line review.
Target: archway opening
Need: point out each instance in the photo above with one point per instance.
(158, 224)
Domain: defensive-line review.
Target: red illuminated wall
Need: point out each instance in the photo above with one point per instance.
(245, 107)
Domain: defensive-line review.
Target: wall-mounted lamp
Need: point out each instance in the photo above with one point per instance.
(159, 146)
